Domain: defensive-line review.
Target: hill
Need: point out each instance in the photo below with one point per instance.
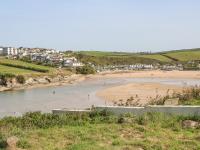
(173, 56)
(17, 67)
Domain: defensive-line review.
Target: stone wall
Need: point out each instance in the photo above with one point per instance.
(176, 110)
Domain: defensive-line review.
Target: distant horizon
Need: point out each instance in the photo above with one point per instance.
(156, 51)
(103, 25)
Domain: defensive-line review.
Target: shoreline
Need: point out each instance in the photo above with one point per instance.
(76, 78)
(65, 81)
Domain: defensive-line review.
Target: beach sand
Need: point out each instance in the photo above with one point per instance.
(143, 91)
(149, 74)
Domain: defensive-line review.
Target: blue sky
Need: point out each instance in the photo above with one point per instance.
(109, 25)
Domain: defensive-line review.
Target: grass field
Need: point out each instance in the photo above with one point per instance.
(102, 53)
(23, 68)
(165, 57)
(22, 63)
(96, 132)
(185, 55)
(156, 57)
(13, 70)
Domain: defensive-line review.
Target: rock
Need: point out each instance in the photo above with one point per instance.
(12, 143)
(190, 124)
(57, 79)
(48, 79)
(125, 120)
(42, 80)
(172, 101)
(30, 81)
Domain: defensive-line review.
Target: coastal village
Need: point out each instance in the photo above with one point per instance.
(40, 55)
(61, 59)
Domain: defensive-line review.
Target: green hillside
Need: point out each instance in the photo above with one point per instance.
(156, 57)
(18, 67)
(113, 58)
(185, 55)
(162, 57)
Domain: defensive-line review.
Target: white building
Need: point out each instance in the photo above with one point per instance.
(72, 62)
(10, 51)
(1, 50)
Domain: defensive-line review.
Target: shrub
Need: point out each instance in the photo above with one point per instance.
(4, 77)
(20, 79)
(85, 70)
(23, 144)
(3, 143)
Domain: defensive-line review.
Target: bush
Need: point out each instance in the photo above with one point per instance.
(23, 144)
(3, 143)
(85, 70)
(20, 79)
(4, 77)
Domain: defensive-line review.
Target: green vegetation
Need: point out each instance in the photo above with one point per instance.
(23, 65)
(20, 79)
(85, 70)
(102, 59)
(156, 57)
(99, 131)
(4, 77)
(113, 58)
(17, 67)
(13, 70)
(185, 55)
(188, 96)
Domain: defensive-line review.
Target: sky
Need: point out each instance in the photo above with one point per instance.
(107, 25)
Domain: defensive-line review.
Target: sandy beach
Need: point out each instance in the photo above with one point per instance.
(140, 91)
(149, 74)
(143, 91)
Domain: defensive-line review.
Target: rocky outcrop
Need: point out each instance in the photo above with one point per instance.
(190, 124)
(31, 82)
(12, 143)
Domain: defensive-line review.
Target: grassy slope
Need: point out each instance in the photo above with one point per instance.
(153, 131)
(185, 55)
(102, 53)
(22, 63)
(181, 55)
(13, 70)
(17, 71)
(156, 57)
(113, 58)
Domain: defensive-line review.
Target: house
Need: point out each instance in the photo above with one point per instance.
(71, 62)
(1, 50)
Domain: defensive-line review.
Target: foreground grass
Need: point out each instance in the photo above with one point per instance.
(191, 102)
(98, 131)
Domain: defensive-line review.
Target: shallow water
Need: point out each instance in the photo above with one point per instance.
(80, 95)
